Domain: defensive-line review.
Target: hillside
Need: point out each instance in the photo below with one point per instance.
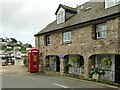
(11, 44)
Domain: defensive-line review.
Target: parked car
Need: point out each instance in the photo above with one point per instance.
(7, 59)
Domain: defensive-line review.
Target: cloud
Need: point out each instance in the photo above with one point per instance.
(22, 19)
(22, 15)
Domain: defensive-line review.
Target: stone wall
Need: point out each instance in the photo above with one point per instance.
(36, 42)
(83, 43)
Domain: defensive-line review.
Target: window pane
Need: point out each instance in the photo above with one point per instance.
(104, 27)
(60, 17)
(66, 36)
(48, 40)
(104, 34)
(101, 30)
(109, 3)
(69, 36)
(99, 34)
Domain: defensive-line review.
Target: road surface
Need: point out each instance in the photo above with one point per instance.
(17, 76)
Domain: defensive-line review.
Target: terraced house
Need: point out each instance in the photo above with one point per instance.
(84, 40)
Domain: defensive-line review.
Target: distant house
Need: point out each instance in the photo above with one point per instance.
(85, 39)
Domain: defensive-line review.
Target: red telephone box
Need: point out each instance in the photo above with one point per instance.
(33, 60)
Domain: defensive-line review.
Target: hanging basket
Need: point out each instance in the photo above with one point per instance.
(106, 63)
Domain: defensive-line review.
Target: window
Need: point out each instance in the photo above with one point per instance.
(48, 40)
(60, 16)
(110, 3)
(66, 36)
(101, 30)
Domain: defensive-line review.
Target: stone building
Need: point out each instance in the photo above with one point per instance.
(84, 40)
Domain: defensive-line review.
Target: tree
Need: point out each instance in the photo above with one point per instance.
(3, 40)
(23, 48)
(13, 40)
(3, 47)
(29, 46)
(9, 47)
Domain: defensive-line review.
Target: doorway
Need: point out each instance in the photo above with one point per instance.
(117, 68)
(57, 64)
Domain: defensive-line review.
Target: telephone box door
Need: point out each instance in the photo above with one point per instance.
(33, 61)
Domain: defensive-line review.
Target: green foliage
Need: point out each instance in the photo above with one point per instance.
(18, 45)
(9, 45)
(8, 49)
(97, 71)
(13, 40)
(74, 59)
(54, 59)
(3, 47)
(106, 63)
(65, 61)
(67, 65)
(23, 48)
(29, 46)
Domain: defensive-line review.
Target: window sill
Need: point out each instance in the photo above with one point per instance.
(67, 42)
(100, 38)
(48, 45)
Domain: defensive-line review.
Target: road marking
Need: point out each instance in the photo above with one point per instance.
(60, 85)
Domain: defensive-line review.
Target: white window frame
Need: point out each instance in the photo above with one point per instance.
(101, 30)
(48, 40)
(66, 36)
(61, 16)
(111, 3)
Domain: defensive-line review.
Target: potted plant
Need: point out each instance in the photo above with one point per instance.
(66, 66)
(97, 72)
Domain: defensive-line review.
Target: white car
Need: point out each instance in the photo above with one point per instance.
(18, 57)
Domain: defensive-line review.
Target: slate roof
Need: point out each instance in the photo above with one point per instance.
(67, 8)
(86, 12)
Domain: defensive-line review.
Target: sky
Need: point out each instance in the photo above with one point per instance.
(22, 19)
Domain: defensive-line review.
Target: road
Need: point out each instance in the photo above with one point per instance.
(17, 76)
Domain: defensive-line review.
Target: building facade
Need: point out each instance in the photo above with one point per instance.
(84, 40)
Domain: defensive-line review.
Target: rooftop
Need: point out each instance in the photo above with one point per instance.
(86, 12)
